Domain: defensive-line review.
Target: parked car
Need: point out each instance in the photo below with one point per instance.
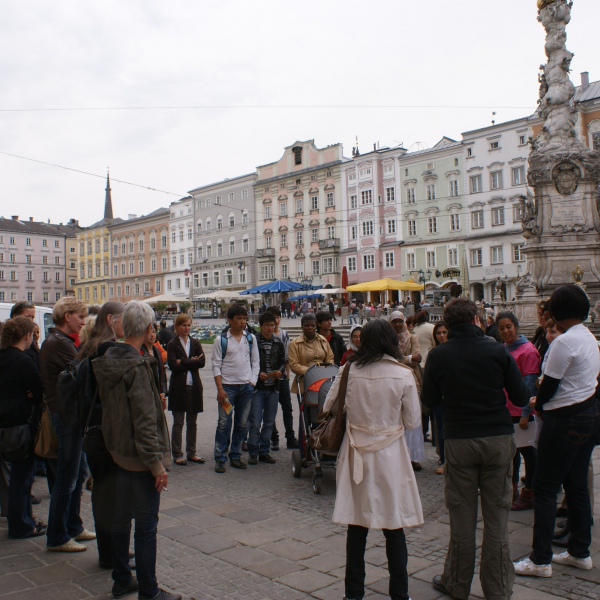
(43, 317)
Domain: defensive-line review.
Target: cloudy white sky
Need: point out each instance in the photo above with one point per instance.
(246, 53)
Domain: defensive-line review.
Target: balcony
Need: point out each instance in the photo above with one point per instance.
(265, 253)
(330, 243)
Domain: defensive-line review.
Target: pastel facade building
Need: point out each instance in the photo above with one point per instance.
(298, 211)
(181, 248)
(433, 210)
(139, 256)
(371, 216)
(225, 236)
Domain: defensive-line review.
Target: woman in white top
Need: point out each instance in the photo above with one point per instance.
(376, 486)
(570, 411)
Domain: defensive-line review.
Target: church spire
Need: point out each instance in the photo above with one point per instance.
(108, 211)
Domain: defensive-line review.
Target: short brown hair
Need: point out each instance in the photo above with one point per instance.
(15, 329)
(459, 311)
(67, 304)
(182, 318)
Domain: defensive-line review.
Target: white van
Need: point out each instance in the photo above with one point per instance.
(43, 317)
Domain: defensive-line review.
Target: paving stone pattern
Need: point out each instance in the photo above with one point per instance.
(261, 534)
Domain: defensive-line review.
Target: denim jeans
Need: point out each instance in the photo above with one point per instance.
(240, 397)
(563, 458)
(262, 412)
(353, 318)
(285, 401)
(136, 499)
(64, 521)
(20, 514)
(397, 555)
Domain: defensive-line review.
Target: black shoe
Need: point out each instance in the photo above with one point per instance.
(253, 460)
(220, 466)
(236, 463)
(244, 446)
(275, 445)
(292, 443)
(108, 565)
(562, 512)
(164, 595)
(439, 586)
(562, 524)
(562, 533)
(35, 500)
(416, 466)
(121, 590)
(267, 458)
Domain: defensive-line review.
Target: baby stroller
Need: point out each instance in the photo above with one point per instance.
(317, 380)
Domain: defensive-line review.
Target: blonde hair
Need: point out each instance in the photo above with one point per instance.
(86, 330)
(67, 304)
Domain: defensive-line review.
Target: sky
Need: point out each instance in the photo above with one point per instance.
(272, 73)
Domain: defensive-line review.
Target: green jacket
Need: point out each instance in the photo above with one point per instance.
(133, 421)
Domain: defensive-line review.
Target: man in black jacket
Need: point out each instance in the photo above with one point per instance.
(336, 341)
(467, 376)
(265, 399)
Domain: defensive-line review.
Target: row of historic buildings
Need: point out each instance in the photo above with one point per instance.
(388, 212)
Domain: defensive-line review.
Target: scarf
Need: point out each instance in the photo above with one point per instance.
(351, 344)
(404, 335)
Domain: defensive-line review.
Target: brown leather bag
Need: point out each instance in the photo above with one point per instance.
(46, 442)
(328, 436)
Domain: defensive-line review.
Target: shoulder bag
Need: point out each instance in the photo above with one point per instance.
(46, 442)
(16, 442)
(328, 436)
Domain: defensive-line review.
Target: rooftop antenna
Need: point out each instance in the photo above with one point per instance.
(493, 120)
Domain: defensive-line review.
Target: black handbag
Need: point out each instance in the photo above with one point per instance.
(16, 443)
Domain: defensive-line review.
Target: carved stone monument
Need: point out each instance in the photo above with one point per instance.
(561, 223)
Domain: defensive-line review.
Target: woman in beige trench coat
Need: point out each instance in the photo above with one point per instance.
(376, 485)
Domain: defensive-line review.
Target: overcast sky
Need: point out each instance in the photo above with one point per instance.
(145, 53)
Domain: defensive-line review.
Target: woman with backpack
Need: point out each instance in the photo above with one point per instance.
(21, 394)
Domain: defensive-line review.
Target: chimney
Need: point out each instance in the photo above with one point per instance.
(15, 217)
(130, 216)
(31, 218)
(585, 81)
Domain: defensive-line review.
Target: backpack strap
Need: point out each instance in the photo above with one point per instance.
(223, 345)
(93, 405)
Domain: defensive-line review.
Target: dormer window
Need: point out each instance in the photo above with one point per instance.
(297, 155)
(494, 145)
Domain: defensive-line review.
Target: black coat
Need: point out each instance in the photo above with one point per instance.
(165, 336)
(177, 392)
(338, 346)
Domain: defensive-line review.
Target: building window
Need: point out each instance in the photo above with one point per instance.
(299, 205)
(174, 261)
(245, 217)
(244, 194)
(153, 265)
(284, 271)
(219, 223)
(28, 258)
(163, 241)
(354, 232)
(116, 250)
(388, 169)
(452, 257)
(157, 286)
(330, 200)
(164, 264)
(391, 226)
(264, 272)
(299, 238)
(432, 224)
(431, 192)
(364, 172)
(115, 270)
(300, 269)
(178, 284)
(97, 270)
(389, 260)
(353, 202)
(494, 145)
(330, 232)
(475, 183)
(245, 245)
(30, 296)
(517, 213)
(518, 176)
(220, 248)
(46, 296)
(28, 241)
(189, 236)
(522, 140)
(267, 212)
(268, 241)
(232, 247)
(44, 259)
(476, 257)
(453, 188)
(368, 262)
(242, 273)
(498, 216)
(352, 264)
(314, 203)
(29, 275)
(366, 197)
(390, 194)
(208, 224)
(218, 200)
(314, 235)
(205, 279)
(431, 259)
(497, 257)
(410, 196)
(477, 219)
(230, 197)
(496, 180)
(141, 245)
(136, 289)
(131, 268)
(316, 267)
(44, 243)
(141, 266)
(455, 222)
(283, 240)
(412, 227)
(367, 228)
(517, 252)
(283, 209)
(328, 265)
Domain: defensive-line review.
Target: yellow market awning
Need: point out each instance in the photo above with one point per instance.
(380, 285)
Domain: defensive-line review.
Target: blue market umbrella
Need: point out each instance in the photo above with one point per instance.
(275, 287)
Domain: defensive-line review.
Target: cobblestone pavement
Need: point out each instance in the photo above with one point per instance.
(262, 534)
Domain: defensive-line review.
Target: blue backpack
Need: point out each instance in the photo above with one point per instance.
(224, 343)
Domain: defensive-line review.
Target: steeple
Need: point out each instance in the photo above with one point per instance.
(108, 211)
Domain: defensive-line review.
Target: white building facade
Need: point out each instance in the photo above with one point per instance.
(181, 248)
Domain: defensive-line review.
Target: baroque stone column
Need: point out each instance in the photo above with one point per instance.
(561, 223)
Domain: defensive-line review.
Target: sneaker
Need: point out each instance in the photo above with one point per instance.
(275, 445)
(70, 546)
(566, 559)
(164, 595)
(528, 569)
(267, 458)
(120, 590)
(236, 463)
(292, 444)
(253, 460)
(85, 536)
(220, 466)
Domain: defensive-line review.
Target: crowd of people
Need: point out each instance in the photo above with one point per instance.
(471, 384)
